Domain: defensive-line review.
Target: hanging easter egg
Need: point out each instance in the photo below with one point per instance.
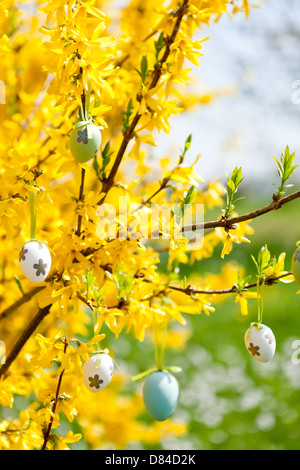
(260, 342)
(97, 373)
(35, 261)
(85, 140)
(160, 394)
(296, 265)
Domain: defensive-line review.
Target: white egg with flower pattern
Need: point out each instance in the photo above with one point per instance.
(35, 261)
(260, 342)
(97, 373)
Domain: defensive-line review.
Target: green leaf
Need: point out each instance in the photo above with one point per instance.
(232, 186)
(99, 294)
(144, 68)
(124, 282)
(105, 154)
(174, 369)
(144, 374)
(285, 170)
(126, 115)
(190, 196)
(242, 282)
(255, 262)
(159, 45)
(88, 279)
(263, 257)
(18, 282)
(143, 73)
(187, 145)
(96, 166)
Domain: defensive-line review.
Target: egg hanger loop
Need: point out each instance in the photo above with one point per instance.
(84, 114)
(32, 215)
(260, 298)
(159, 352)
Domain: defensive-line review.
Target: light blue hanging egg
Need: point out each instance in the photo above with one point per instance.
(161, 394)
(85, 140)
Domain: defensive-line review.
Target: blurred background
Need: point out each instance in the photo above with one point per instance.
(255, 62)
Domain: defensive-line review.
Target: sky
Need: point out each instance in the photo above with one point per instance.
(258, 59)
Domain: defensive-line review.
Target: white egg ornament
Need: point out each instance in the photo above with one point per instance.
(35, 261)
(260, 342)
(85, 140)
(97, 373)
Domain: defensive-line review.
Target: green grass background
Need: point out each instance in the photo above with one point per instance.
(230, 400)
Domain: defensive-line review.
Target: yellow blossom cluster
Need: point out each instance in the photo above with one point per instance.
(130, 68)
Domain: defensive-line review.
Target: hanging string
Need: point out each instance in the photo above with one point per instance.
(163, 347)
(159, 351)
(32, 215)
(260, 299)
(155, 342)
(87, 99)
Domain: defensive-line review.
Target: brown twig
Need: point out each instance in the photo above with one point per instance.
(55, 402)
(190, 290)
(80, 199)
(81, 189)
(26, 297)
(26, 334)
(230, 223)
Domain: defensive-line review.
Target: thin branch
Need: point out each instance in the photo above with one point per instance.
(26, 334)
(26, 297)
(230, 223)
(80, 199)
(128, 135)
(47, 433)
(190, 290)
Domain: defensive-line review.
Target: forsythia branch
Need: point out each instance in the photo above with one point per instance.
(190, 290)
(48, 430)
(26, 297)
(26, 334)
(108, 183)
(80, 199)
(230, 223)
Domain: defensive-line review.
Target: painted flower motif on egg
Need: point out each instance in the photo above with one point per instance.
(35, 261)
(97, 373)
(260, 342)
(85, 140)
(296, 265)
(160, 394)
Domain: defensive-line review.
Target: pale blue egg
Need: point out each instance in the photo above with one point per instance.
(161, 394)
